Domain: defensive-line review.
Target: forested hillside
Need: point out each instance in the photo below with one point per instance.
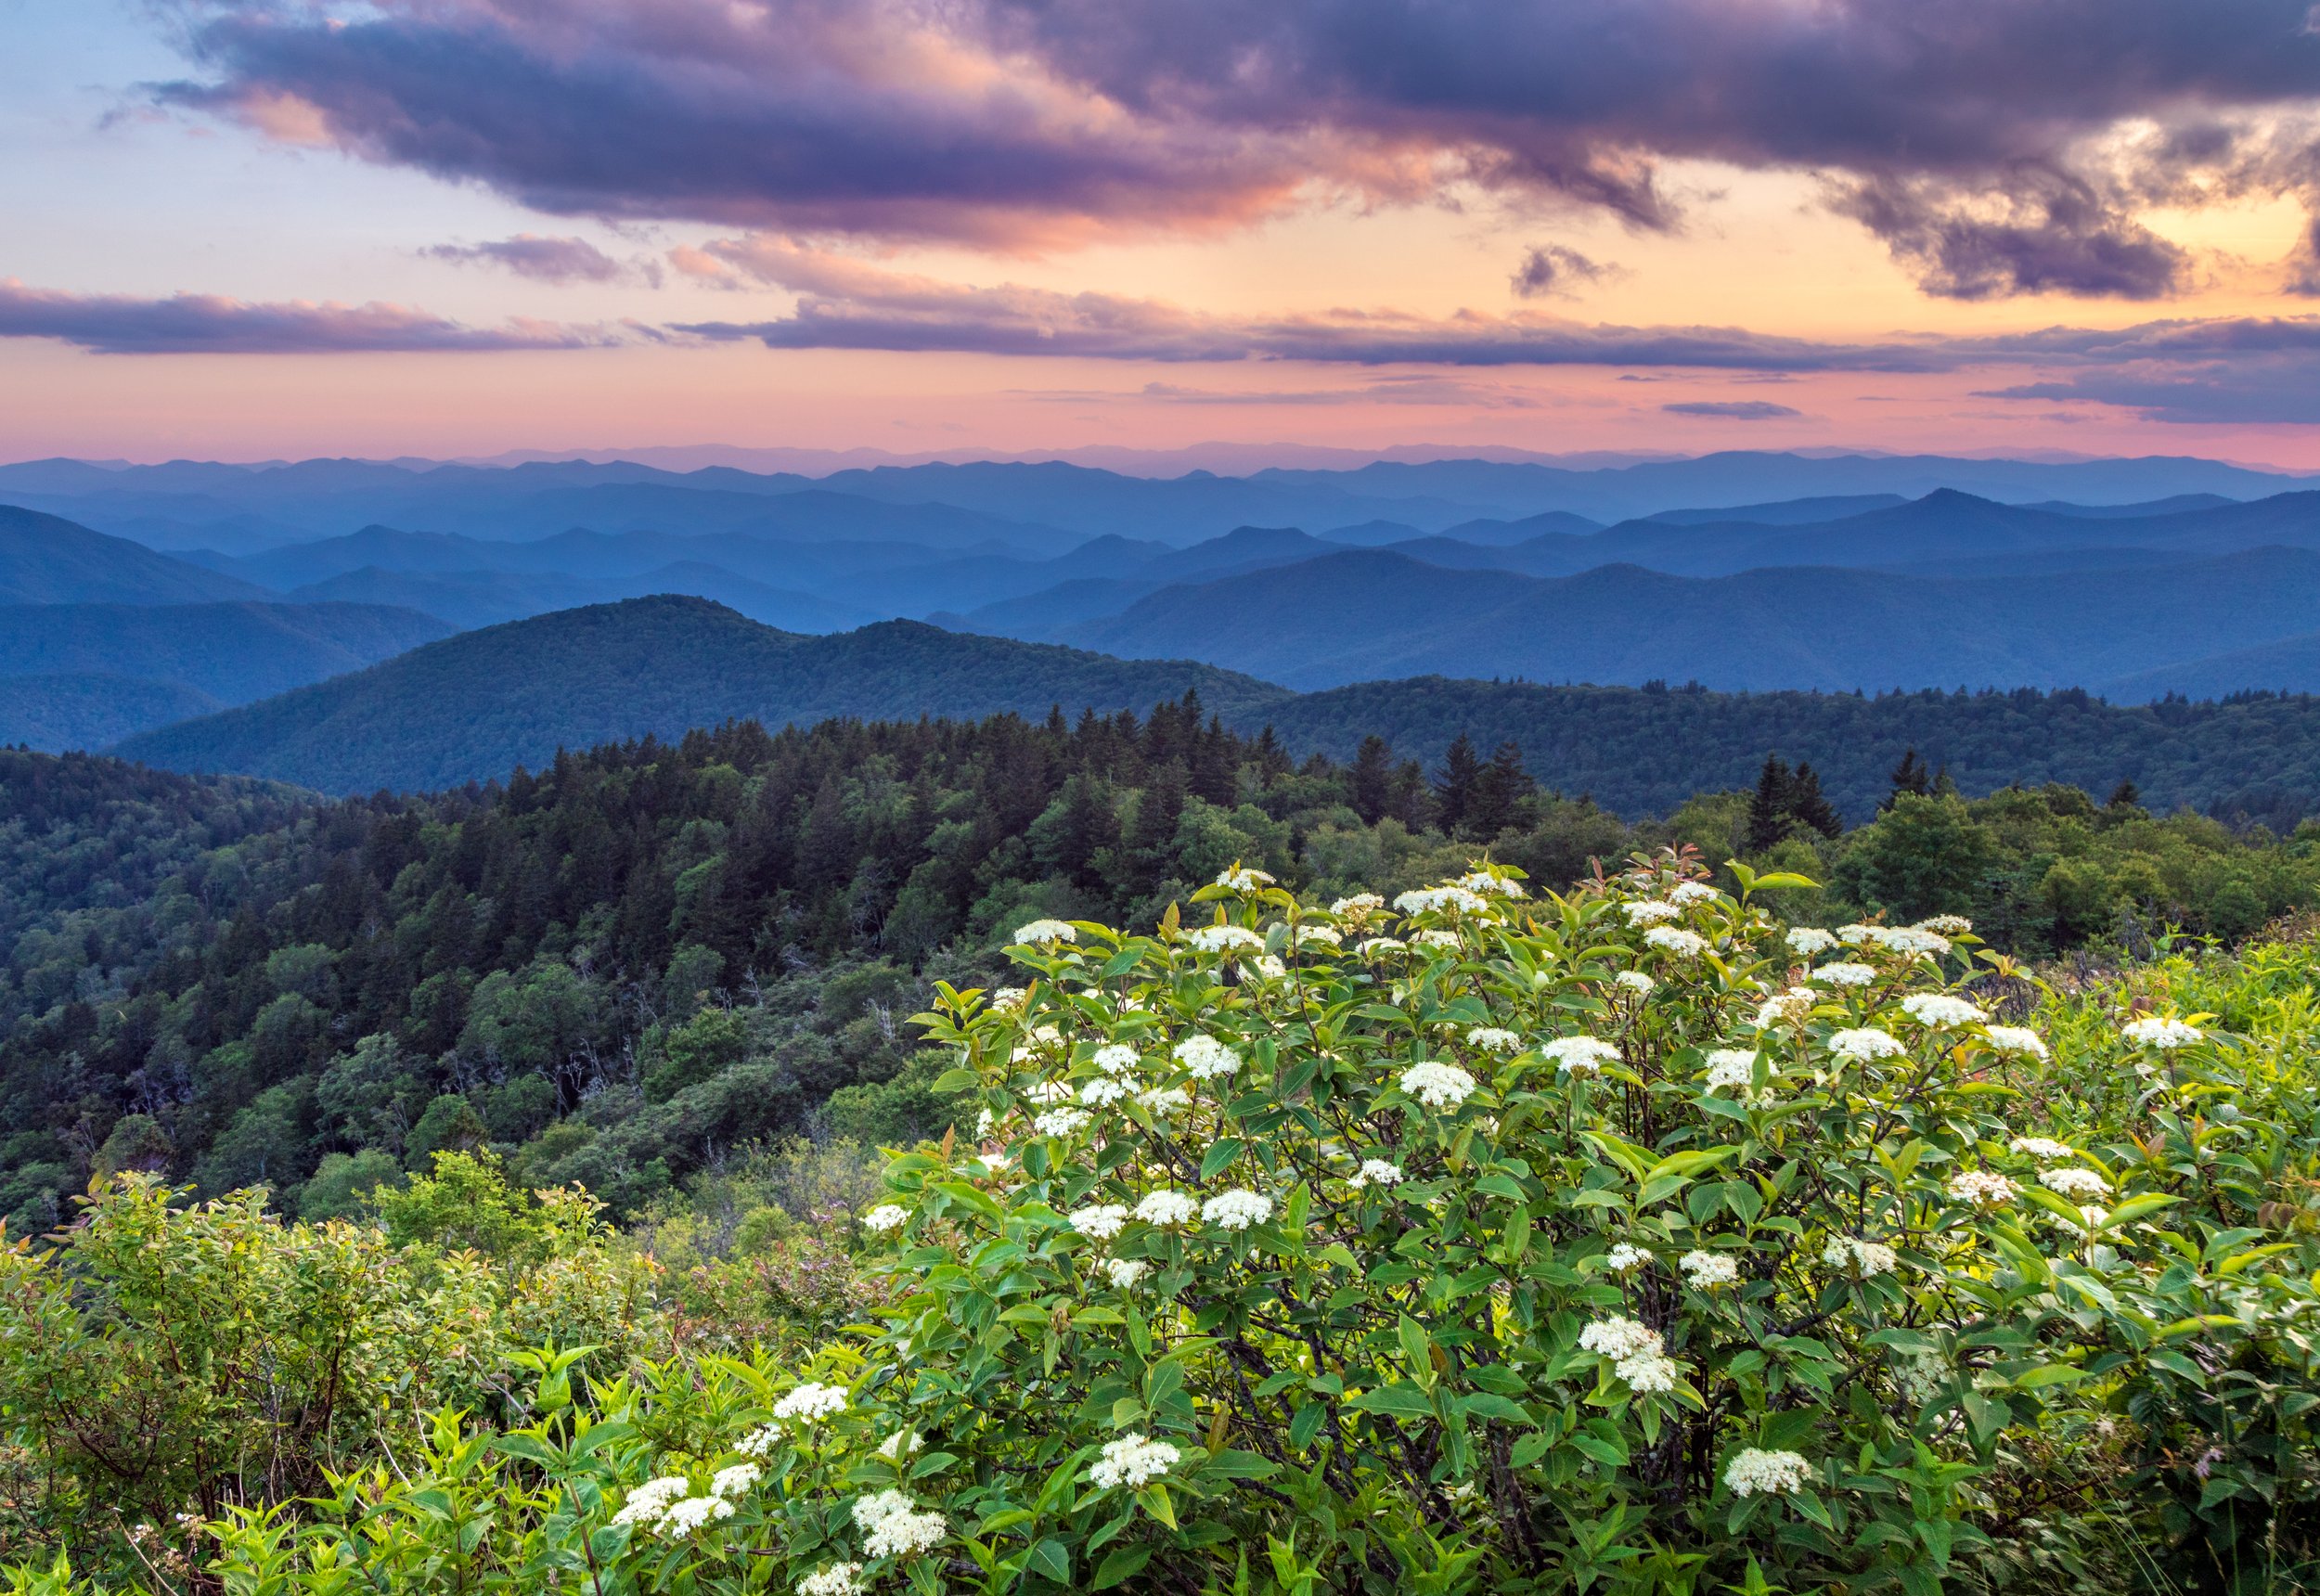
(622, 967)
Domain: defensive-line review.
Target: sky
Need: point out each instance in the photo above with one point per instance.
(250, 229)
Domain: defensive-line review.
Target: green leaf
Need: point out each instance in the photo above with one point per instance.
(1240, 1466)
(1052, 1559)
(1121, 1564)
(1219, 1157)
(1401, 1399)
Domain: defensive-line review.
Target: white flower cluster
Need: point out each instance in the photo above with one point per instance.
(898, 1445)
(1103, 1093)
(1165, 1100)
(1982, 1187)
(1206, 1058)
(1579, 1055)
(1786, 1008)
(1101, 1222)
(1166, 1208)
(1124, 1272)
(1650, 911)
(1843, 973)
(811, 1402)
(1635, 1352)
(650, 1502)
(1237, 1209)
(1429, 900)
(896, 1526)
(1379, 946)
(838, 1579)
(1491, 884)
(1941, 1010)
(1438, 1084)
(2045, 1149)
(1493, 1040)
(1241, 880)
(1756, 1471)
(1693, 891)
(884, 1217)
(1675, 940)
(1946, 924)
(1868, 1257)
(686, 1516)
(2079, 1185)
(1708, 1271)
(2018, 1039)
(1225, 939)
(2165, 1035)
(733, 1480)
(1625, 1255)
(1436, 938)
(1731, 1067)
(1808, 940)
(1117, 1059)
(1061, 1122)
(1635, 981)
(1360, 907)
(1131, 1461)
(1035, 933)
(1322, 936)
(1911, 941)
(1375, 1172)
(1866, 1045)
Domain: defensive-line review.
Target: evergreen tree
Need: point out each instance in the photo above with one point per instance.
(1454, 786)
(1909, 776)
(1371, 780)
(1808, 806)
(1768, 806)
(1500, 786)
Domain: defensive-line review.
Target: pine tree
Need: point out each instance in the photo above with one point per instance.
(1499, 788)
(1909, 776)
(1455, 787)
(1372, 780)
(1769, 806)
(1808, 806)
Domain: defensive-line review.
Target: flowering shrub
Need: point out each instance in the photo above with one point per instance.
(1716, 1274)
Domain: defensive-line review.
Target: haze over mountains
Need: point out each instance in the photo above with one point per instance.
(134, 597)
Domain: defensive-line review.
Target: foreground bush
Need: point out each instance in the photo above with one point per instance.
(1620, 1242)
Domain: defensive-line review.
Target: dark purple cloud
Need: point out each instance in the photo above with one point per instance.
(1552, 269)
(1997, 146)
(208, 324)
(1732, 409)
(541, 259)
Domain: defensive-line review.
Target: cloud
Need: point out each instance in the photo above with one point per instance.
(210, 324)
(1997, 147)
(1415, 389)
(545, 259)
(1550, 268)
(1732, 409)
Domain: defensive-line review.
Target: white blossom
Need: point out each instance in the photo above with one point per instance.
(1237, 1209)
(1061, 1122)
(1099, 1222)
(2018, 1039)
(684, 1517)
(2165, 1035)
(1786, 1008)
(1378, 946)
(757, 1443)
(811, 1401)
(1579, 1055)
(650, 1499)
(1731, 1067)
(1326, 937)
(898, 1445)
(1124, 1272)
(1241, 880)
(833, 1580)
(1359, 906)
(1166, 1208)
(886, 1217)
(1635, 1352)
(1910, 940)
(1866, 1044)
(1102, 1092)
(838, 1579)
(1426, 900)
(1677, 941)
(1808, 940)
(1225, 939)
(1117, 1059)
(1436, 938)
(1493, 1040)
(897, 1527)
(1492, 884)
(1868, 1257)
(2075, 1183)
(1009, 997)
(1625, 1255)
(1268, 967)
(1376, 1172)
(1650, 911)
(1946, 924)
(2043, 1148)
(1438, 1084)
(1756, 1472)
(735, 1479)
(1165, 1100)
(1982, 1187)
(1042, 931)
(1635, 981)
(1133, 1460)
(1206, 1058)
(1693, 891)
(1941, 1010)
(1843, 973)
(1707, 1270)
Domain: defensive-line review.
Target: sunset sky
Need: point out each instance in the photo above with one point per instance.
(265, 229)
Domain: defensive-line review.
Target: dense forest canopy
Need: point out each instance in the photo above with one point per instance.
(622, 967)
